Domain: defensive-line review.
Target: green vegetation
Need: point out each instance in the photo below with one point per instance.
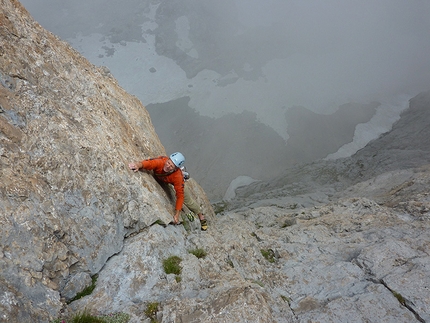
(151, 311)
(86, 317)
(159, 222)
(294, 206)
(399, 297)
(268, 254)
(253, 234)
(186, 224)
(259, 283)
(199, 252)
(219, 207)
(87, 290)
(286, 299)
(288, 223)
(171, 265)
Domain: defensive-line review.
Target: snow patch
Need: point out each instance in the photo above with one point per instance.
(237, 182)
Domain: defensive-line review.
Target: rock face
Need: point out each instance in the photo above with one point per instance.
(333, 241)
(351, 260)
(68, 200)
(327, 243)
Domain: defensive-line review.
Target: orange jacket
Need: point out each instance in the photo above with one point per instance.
(175, 178)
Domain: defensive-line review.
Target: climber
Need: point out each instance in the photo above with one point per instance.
(167, 169)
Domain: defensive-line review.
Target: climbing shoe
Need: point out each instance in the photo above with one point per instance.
(190, 216)
(203, 225)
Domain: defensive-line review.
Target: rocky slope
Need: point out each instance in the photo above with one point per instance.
(67, 131)
(405, 146)
(340, 241)
(326, 243)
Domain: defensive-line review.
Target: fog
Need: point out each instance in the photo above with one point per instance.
(250, 87)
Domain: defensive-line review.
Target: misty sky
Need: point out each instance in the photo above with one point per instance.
(269, 55)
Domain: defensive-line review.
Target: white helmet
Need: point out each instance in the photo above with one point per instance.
(178, 159)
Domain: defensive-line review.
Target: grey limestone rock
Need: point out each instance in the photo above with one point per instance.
(68, 199)
(332, 241)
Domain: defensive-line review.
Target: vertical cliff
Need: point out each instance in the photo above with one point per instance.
(68, 200)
